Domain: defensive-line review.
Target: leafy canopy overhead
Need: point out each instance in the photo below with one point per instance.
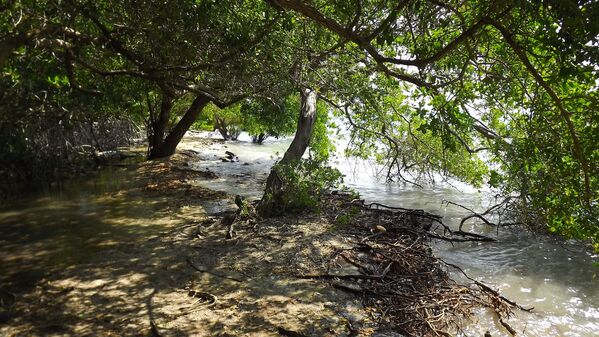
(497, 92)
(513, 80)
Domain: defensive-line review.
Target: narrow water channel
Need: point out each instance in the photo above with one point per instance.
(69, 224)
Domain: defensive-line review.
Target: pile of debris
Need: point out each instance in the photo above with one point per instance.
(392, 268)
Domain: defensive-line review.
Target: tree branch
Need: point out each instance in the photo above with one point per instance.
(112, 41)
(566, 115)
(312, 13)
(72, 78)
(401, 5)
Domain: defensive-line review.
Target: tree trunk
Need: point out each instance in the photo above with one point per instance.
(297, 148)
(221, 126)
(160, 123)
(260, 138)
(165, 146)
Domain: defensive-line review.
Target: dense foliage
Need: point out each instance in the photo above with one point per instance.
(493, 93)
(512, 84)
(262, 116)
(48, 129)
(304, 183)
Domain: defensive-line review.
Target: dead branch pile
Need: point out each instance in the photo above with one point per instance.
(405, 287)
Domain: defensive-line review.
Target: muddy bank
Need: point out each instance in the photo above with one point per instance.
(176, 272)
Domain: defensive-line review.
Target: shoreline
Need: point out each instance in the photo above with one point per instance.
(274, 277)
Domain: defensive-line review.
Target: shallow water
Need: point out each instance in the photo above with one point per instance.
(68, 224)
(557, 278)
(72, 223)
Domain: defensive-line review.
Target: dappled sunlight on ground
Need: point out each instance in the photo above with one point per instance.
(116, 262)
(266, 259)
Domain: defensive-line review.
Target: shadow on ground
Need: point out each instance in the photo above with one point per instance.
(116, 262)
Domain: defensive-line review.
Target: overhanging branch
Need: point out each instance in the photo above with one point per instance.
(347, 33)
(565, 114)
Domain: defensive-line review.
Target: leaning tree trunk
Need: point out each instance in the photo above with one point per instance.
(161, 146)
(271, 199)
(159, 123)
(221, 125)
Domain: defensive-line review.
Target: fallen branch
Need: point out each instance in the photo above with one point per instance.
(507, 327)
(487, 288)
(399, 279)
(393, 207)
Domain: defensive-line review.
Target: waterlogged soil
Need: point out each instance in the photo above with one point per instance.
(146, 254)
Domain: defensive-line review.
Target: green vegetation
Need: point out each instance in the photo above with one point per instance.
(263, 117)
(302, 184)
(344, 219)
(260, 117)
(502, 94)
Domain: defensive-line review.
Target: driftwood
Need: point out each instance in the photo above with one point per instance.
(419, 220)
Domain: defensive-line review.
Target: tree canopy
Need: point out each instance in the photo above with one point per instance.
(502, 94)
(447, 82)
